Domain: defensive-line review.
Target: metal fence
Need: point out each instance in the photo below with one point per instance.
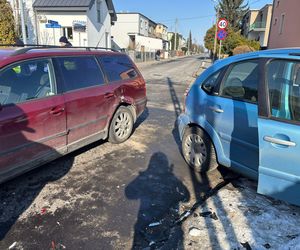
(138, 56)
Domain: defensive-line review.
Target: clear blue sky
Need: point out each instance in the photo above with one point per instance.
(194, 15)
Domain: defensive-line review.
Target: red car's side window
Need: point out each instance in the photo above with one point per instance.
(26, 81)
(80, 72)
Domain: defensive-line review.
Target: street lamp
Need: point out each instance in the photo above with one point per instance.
(216, 29)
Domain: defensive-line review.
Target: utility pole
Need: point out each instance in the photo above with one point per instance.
(175, 45)
(216, 31)
(220, 49)
(23, 21)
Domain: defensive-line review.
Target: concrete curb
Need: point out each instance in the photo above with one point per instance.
(162, 61)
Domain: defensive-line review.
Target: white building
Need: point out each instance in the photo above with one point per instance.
(135, 31)
(84, 22)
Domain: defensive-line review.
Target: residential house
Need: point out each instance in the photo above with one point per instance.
(161, 31)
(284, 28)
(134, 31)
(256, 25)
(84, 23)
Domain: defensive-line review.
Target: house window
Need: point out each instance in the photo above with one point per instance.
(67, 32)
(99, 11)
(277, 3)
(275, 21)
(281, 24)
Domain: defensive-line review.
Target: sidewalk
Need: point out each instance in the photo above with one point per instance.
(239, 218)
(161, 61)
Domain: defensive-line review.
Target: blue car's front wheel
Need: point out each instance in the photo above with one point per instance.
(198, 150)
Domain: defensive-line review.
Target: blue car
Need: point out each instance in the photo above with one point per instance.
(244, 113)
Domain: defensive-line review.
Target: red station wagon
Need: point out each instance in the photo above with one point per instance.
(56, 100)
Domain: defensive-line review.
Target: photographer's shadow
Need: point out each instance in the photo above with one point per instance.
(160, 193)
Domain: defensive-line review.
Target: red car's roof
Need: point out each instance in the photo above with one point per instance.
(7, 57)
(5, 53)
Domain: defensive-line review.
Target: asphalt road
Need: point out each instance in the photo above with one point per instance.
(105, 196)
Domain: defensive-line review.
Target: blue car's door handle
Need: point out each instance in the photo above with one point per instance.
(279, 141)
(216, 109)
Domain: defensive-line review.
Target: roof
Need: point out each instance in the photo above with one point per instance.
(6, 55)
(63, 3)
(111, 10)
(277, 53)
(162, 25)
(274, 53)
(46, 4)
(261, 9)
(136, 13)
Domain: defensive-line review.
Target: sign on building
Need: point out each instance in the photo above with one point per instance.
(79, 26)
(53, 24)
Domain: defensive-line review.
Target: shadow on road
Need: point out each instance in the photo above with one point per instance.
(160, 193)
(143, 117)
(16, 147)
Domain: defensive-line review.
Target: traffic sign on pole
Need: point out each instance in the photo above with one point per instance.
(222, 24)
(222, 34)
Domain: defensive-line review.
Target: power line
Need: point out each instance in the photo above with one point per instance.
(172, 20)
(255, 1)
(185, 18)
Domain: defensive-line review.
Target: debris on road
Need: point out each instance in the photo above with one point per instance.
(267, 246)
(154, 224)
(152, 243)
(246, 245)
(214, 216)
(58, 246)
(195, 232)
(43, 210)
(291, 237)
(12, 246)
(183, 216)
(207, 195)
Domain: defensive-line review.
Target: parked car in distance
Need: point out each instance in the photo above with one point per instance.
(244, 113)
(54, 101)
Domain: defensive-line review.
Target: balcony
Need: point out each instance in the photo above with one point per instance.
(258, 26)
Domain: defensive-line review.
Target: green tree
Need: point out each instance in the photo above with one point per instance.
(7, 24)
(201, 49)
(233, 11)
(173, 41)
(210, 38)
(190, 42)
(233, 40)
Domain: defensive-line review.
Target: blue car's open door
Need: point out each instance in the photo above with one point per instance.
(279, 131)
(279, 160)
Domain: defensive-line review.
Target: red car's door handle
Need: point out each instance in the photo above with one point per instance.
(109, 95)
(56, 111)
